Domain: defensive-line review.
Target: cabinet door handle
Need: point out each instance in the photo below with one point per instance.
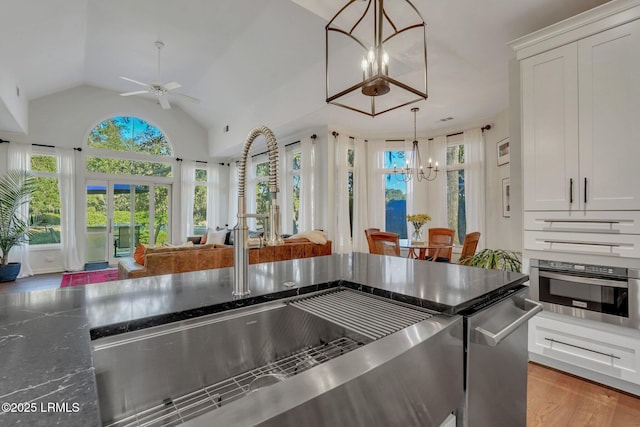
(585, 190)
(495, 339)
(570, 190)
(611, 355)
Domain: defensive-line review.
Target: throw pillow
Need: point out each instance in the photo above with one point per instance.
(216, 237)
(315, 236)
(138, 254)
(203, 239)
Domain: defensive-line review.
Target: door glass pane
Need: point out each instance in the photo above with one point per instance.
(161, 215)
(122, 226)
(396, 206)
(262, 203)
(456, 206)
(141, 217)
(96, 223)
(296, 203)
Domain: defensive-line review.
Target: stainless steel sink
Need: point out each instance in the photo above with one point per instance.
(272, 363)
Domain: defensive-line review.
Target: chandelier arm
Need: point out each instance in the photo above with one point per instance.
(361, 18)
(338, 30)
(384, 12)
(339, 12)
(411, 27)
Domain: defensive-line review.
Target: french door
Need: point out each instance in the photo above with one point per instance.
(120, 214)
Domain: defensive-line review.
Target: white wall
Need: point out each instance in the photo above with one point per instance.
(65, 119)
(14, 109)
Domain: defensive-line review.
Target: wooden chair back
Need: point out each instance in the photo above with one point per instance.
(469, 246)
(441, 236)
(385, 243)
(367, 233)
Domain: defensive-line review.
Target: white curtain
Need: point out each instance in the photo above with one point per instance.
(474, 182)
(360, 196)
(438, 187)
(187, 188)
(213, 194)
(66, 185)
(411, 206)
(233, 194)
(376, 184)
(307, 192)
(342, 241)
(19, 157)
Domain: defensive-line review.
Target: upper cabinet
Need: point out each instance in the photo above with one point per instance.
(581, 112)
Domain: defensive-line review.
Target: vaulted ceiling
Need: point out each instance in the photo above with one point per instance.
(262, 62)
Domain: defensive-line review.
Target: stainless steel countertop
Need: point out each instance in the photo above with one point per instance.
(45, 335)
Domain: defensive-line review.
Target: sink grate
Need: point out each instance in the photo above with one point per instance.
(365, 314)
(177, 411)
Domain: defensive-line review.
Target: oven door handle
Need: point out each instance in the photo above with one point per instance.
(584, 280)
(495, 339)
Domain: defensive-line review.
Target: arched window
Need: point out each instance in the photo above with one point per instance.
(132, 147)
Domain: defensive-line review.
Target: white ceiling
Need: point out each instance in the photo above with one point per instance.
(262, 62)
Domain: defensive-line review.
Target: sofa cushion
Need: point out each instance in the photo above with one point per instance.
(138, 254)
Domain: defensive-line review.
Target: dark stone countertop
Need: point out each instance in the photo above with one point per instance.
(45, 335)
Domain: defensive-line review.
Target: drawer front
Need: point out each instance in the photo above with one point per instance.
(600, 351)
(615, 245)
(609, 222)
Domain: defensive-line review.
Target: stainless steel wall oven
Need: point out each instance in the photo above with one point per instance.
(596, 292)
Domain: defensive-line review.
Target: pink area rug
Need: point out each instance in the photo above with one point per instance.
(87, 277)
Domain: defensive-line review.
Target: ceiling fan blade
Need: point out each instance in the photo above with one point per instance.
(190, 98)
(134, 81)
(164, 102)
(172, 85)
(137, 92)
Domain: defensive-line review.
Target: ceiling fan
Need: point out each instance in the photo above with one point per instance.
(161, 90)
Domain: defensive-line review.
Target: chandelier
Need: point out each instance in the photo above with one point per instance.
(414, 164)
(376, 48)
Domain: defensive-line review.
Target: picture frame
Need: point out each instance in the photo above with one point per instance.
(506, 198)
(502, 149)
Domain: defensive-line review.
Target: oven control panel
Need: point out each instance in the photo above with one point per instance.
(598, 270)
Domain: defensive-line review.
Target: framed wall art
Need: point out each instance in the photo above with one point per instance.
(503, 152)
(506, 198)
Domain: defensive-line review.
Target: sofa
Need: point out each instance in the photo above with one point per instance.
(204, 257)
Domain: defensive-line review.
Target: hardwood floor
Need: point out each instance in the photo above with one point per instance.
(33, 283)
(557, 399)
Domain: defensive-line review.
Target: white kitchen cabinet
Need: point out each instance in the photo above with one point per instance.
(550, 129)
(609, 93)
(581, 126)
(605, 353)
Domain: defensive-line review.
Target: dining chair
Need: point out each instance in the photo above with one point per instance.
(367, 233)
(469, 246)
(441, 237)
(384, 243)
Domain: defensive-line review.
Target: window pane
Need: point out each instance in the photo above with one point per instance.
(296, 161)
(128, 167)
(201, 175)
(350, 156)
(161, 216)
(262, 169)
(262, 203)
(44, 210)
(296, 203)
(396, 206)
(43, 164)
(455, 155)
(394, 158)
(350, 186)
(456, 206)
(199, 210)
(129, 134)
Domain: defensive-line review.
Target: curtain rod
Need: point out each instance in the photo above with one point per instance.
(313, 137)
(179, 159)
(4, 141)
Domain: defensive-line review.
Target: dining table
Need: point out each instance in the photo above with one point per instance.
(418, 250)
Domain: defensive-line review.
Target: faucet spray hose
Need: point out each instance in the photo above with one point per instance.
(272, 148)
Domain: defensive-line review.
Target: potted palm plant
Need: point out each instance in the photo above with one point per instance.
(16, 187)
(494, 259)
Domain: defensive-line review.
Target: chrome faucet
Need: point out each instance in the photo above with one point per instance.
(242, 241)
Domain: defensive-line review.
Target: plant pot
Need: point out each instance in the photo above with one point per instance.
(9, 272)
